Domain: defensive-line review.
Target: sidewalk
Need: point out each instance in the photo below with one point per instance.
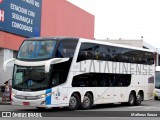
(4, 102)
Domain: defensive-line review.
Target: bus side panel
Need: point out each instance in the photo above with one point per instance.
(56, 95)
(120, 94)
(149, 87)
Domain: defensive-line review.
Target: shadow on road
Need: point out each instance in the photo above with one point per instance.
(101, 106)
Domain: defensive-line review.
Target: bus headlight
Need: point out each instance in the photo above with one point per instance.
(41, 96)
(44, 95)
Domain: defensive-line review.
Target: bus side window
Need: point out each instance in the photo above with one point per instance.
(56, 78)
(82, 53)
(150, 58)
(102, 54)
(109, 54)
(66, 48)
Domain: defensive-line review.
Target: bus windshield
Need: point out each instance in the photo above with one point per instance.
(30, 78)
(157, 83)
(33, 50)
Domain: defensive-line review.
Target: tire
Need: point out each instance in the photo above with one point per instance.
(87, 102)
(156, 98)
(139, 99)
(132, 99)
(74, 102)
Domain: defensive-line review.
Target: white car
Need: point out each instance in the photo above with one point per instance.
(156, 94)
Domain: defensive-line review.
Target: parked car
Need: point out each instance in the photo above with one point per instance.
(4, 95)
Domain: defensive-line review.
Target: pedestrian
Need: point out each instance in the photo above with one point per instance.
(6, 92)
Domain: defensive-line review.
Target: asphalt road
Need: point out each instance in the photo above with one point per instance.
(108, 111)
(150, 105)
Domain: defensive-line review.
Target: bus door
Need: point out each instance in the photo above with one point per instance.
(57, 95)
(57, 78)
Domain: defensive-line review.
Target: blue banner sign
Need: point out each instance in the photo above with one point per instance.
(21, 17)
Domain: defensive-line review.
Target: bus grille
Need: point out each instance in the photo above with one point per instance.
(26, 97)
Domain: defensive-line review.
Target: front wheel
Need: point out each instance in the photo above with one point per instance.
(74, 102)
(87, 102)
(132, 99)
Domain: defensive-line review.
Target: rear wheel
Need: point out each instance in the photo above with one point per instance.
(87, 102)
(139, 98)
(74, 102)
(132, 99)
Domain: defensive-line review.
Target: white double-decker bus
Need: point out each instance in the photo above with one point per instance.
(75, 72)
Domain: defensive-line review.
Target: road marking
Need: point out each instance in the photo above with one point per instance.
(136, 107)
(144, 107)
(151, 108)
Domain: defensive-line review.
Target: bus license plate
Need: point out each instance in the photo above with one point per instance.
(26, 103)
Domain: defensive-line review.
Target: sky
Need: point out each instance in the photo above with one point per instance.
(125, 19)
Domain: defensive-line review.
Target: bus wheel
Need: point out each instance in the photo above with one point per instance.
(74, 102)
(132, 99)
(139, 99)
(87, 102)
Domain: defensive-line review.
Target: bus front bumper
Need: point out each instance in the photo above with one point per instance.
(36, 103)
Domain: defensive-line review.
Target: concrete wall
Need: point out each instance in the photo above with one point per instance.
(61, 18)
(1, 57)
(1, 63)
(4, 55)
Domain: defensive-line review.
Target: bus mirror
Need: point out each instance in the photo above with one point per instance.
(54, 61)
(6, 62)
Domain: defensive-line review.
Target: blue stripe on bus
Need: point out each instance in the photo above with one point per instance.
(48, 98)
(48, 91)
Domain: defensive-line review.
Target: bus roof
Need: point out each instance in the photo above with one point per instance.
(89, 41)
(115, 45)
(54, 38)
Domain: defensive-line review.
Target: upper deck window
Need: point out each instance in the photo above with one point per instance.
(66, 48)
(37, 50)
